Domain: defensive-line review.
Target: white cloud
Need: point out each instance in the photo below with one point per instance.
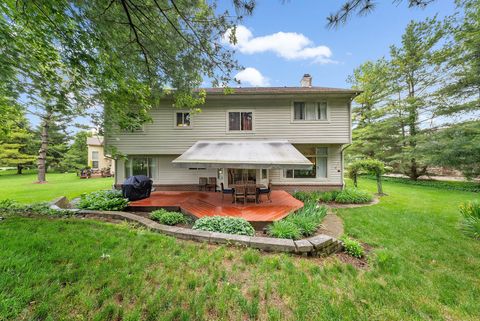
(288, 45)
(252, 77)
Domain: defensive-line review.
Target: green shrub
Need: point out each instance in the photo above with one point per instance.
(445, 185)
(224, 224)
(284, 229)
(471, 218)
(353, 247)
(353, 196)
(111, 200)
(163, 216)
(11, 207)
(328, 196)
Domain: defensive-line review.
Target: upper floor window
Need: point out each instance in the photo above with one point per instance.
(309, 110)
(240, 120)
(182, 119)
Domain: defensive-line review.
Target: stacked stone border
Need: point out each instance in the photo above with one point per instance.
(319, 245)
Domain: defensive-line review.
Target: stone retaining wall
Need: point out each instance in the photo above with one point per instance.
(319, 245)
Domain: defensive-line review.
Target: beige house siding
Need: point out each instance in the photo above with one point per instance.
(172, 178)
(273, 119)
(165, 174)
(103, 162)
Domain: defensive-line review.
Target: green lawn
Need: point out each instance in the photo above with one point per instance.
(421, 268)
(23, 188)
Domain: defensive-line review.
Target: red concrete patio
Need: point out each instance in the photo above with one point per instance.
(200, 204)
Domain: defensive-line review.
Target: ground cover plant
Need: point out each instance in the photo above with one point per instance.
(23, 189)
(62, 270)
(224, 224)
(163, 216)
(110, 200)
(471, 218)
(10, 207)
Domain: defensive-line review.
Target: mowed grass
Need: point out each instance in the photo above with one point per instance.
(23, 188)
(421, 268)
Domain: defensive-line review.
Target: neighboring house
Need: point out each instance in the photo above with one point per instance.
(292, 137)
(97, 159)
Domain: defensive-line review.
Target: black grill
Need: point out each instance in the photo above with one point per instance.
(137, 187)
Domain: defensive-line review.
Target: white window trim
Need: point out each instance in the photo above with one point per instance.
(129, 159)
(326, 178)
(227, 123)
(300, 121)
(175, 119)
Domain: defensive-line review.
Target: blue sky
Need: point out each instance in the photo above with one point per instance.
(285, 39)
(283, 58)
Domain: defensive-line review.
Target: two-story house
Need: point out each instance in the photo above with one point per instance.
(293, 137)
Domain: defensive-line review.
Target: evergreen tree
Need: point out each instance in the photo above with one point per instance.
(77, 155)
(14, 144)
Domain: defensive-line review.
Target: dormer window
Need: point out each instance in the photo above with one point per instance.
(309, 111)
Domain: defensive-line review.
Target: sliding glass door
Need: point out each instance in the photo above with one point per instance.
(241, 175)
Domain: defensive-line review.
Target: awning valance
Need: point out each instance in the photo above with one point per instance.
(243, 154)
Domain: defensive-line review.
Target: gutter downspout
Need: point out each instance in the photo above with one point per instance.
(350, 138)
(342, 161)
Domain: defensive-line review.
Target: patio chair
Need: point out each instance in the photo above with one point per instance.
(265, 191)
(251, 192)
(239, 193)
(228, 191)
(212, 184)
(202, 183)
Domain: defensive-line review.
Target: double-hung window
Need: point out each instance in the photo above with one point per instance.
(240, 121)
(95, 159)
(318, 170)
(182, 119)
(309, 111)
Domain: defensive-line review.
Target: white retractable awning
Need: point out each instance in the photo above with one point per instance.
(243, 154)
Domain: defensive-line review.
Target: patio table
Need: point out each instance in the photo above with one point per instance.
(257, 187)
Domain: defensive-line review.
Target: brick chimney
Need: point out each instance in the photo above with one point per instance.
(306, 81)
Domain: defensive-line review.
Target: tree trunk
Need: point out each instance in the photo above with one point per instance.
(379, 184)
(19, 169)
(42, 153)
(355, 180)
